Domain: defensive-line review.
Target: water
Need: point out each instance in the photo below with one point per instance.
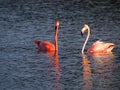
(22, 67)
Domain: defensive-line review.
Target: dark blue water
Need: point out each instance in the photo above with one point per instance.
(22, 67)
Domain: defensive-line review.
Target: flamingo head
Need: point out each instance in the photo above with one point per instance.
(57, 24)
(84, 29)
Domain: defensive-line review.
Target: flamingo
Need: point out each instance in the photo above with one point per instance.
(48, 46)
(97, 47)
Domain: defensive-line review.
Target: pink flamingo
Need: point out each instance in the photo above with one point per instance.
(48, 46)
(98, 47)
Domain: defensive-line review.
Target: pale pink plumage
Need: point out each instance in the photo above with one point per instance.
(97, 47)
(101, 47)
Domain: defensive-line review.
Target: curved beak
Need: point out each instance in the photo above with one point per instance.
(81, 33)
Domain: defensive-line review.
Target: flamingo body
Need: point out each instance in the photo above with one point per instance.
(45, 46)
(98, 47)
(101, 47)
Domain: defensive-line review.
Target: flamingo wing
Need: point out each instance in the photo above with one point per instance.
(109, 46)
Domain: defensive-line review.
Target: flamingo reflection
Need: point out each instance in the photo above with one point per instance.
(53, 69)
(86, 73)
(56, 64)
(103, 70)
(55, 75)
(103, 67)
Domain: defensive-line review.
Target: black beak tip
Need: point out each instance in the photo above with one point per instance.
(81, 33)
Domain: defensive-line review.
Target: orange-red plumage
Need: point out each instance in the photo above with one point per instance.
(48, 46)
(45, 45)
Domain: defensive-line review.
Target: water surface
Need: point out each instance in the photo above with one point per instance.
(22, 67)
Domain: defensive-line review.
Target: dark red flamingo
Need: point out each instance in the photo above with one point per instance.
(46, 46)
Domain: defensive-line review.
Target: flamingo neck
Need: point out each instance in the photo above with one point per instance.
(86, 39)
(56, 38)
